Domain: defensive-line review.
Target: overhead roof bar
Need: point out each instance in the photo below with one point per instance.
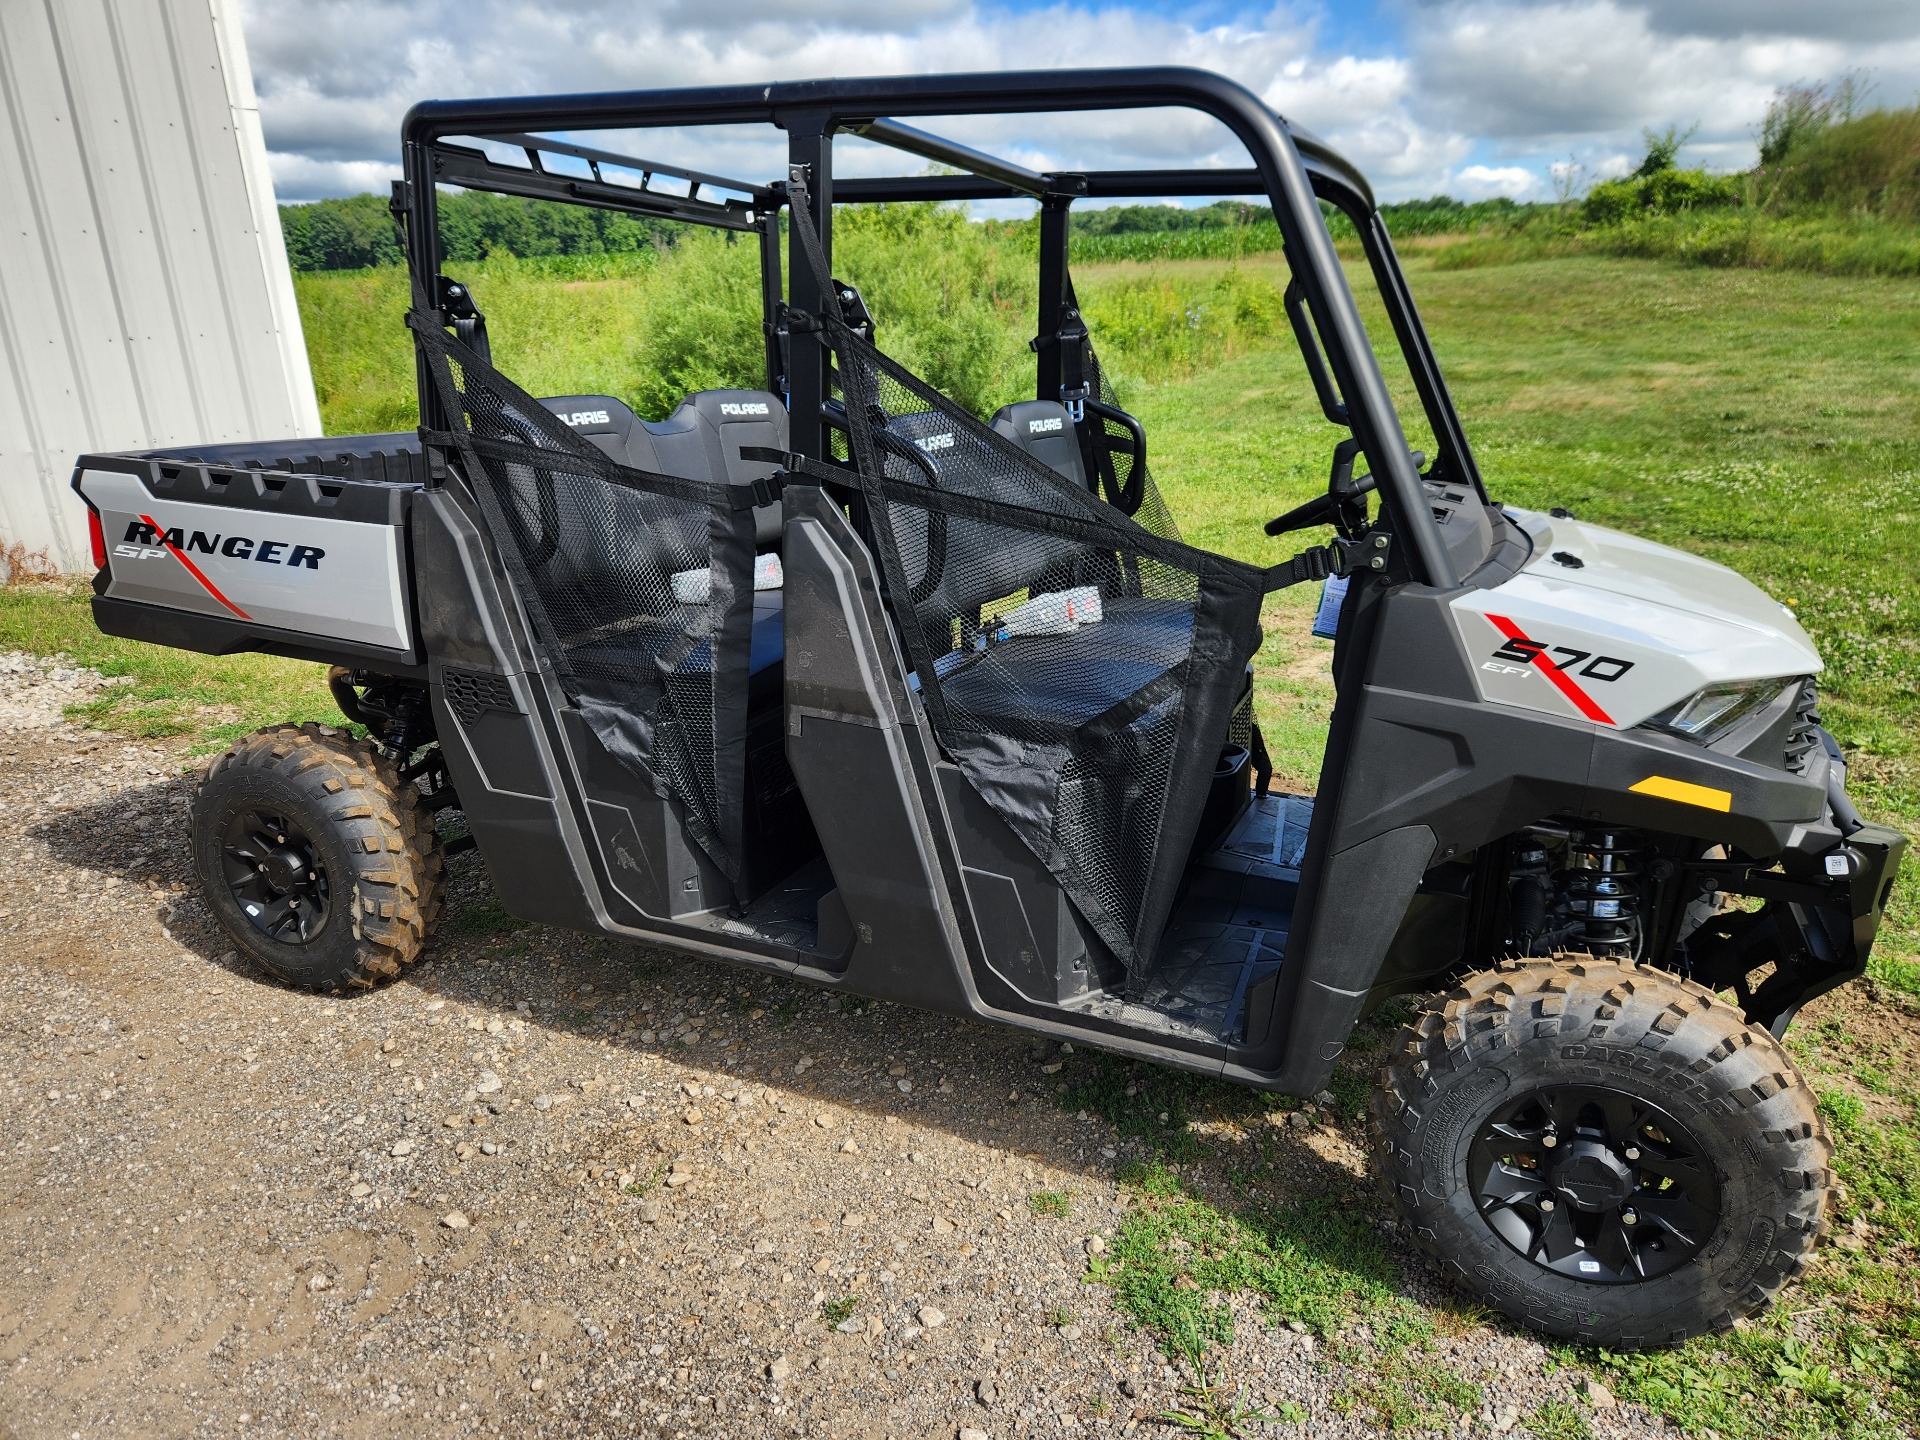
(472, 169)
(534, 144)
(962, 157)
(1100, 185)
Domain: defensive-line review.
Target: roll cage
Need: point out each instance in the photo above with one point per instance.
(1292, 170)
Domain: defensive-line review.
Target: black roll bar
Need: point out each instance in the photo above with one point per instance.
(1291, 167)
(947, 152)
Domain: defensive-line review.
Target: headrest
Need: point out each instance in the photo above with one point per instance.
(728, 407)
(731, 419)
(932, 431)
(1043, 429)
(594, 415)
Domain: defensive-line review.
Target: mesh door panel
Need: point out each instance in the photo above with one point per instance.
(1095, 744)
(639, 586)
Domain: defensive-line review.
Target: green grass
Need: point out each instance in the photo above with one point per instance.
(1315, 1261)
(1558, 1420)
(1050, 1204)
(207, 699)
(1745, 237)
(1406, 1391)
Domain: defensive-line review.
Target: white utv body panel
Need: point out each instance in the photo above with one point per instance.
(307, 574)
(1612, 629)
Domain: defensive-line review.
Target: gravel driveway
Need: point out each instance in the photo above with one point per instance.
(545, 1185)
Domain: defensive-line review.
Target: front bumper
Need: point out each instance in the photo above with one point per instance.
(1814, 932)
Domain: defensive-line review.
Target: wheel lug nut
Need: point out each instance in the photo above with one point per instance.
(1546, 1203)
(1550, 1141)
(1628, 1217)
(1632, 1152)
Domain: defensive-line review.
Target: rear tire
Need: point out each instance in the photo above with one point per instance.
(316, 858)
(1554, 1100)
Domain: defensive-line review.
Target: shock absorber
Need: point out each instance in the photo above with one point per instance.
(1530, 890)
(1603, 890)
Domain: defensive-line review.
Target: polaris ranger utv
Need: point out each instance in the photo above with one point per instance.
(837, 679)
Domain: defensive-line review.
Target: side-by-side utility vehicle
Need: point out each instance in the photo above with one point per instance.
(838, 679)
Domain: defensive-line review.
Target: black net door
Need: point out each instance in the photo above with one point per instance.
(639, 586)
(1078, 665)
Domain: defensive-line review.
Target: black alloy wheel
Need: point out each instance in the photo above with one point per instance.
(275, 875)
(1594, 1184)
(317, 857)
(1602, 1150)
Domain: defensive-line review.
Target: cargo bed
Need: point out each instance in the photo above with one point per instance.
(288, 547)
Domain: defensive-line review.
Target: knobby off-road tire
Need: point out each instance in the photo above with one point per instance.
(326, 821)
(1507, 1047)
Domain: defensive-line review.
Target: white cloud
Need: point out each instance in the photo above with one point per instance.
(1504, 84)
(335, 76)
(1853, 20)
(302, 175)
(1488, 182)
(1539, 79)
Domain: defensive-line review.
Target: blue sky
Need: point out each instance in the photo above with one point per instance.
(1465, 97)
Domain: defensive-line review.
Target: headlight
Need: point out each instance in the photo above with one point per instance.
(1708, 714)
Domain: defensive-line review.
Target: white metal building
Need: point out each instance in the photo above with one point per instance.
(144, 293)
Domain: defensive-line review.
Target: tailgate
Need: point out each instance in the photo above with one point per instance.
(264, 556)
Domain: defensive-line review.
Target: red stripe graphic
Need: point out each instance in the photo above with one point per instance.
(192, 569)
(1562, 681)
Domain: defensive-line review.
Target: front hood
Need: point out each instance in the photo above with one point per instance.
(1615, 629)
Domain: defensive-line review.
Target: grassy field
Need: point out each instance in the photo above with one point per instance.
(1765, 419)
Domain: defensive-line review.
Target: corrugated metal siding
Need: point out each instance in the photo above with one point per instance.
(144, 292)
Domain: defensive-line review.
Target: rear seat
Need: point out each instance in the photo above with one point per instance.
(1058, 679)
(701, 440)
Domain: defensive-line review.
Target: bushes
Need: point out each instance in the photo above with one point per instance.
(952, 300)
(1158, 326)
(1659, 186)
(1665, 192)
(1798, 114)
(1840, 193)
(1869, 165)
(358, 233)
(1742, 236)
(697, 325)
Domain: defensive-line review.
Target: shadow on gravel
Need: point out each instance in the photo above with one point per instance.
(1234, 1148)
(137, 840)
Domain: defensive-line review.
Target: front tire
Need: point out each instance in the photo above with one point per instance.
(1606, 1153)
(316, 858)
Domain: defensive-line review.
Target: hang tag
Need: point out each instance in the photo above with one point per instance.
(1333, 594)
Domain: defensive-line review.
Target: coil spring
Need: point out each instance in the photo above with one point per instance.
(1603, 890)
